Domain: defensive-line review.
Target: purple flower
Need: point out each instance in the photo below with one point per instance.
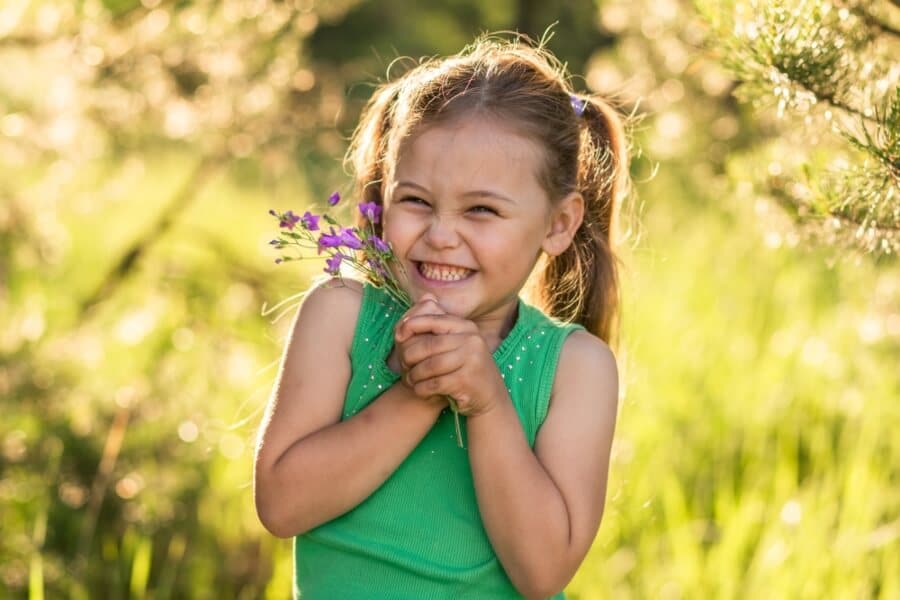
(310, 221)
(370, 210)
(334, 199)
(379, 244)
(350, 239)
(329, 240)
(289, 219)
(334, 264)
(278, 261)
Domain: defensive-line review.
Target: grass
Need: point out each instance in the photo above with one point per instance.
(755, 456)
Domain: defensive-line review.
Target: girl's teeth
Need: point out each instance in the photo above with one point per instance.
(443, 273)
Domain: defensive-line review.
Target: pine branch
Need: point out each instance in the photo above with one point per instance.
(833, 226)
(795, 54)
(828, 97)
(884, 144)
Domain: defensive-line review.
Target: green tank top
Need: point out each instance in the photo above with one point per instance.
(419, 535)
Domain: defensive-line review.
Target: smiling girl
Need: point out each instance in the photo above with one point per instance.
(491, 174)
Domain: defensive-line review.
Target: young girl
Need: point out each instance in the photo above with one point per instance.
(487, 168)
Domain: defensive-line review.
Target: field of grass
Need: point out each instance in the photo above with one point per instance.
(756, 452)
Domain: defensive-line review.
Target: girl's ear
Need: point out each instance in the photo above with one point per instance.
(565, 219)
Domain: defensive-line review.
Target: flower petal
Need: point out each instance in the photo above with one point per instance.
(310, 221)
(350, 239)
(333, 264)
(370, 210)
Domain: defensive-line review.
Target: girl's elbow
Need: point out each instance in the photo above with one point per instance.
(270, 510)
(269, 516)
(539, 592)
(275, 520)
(546, 578)
(280, 530)
(540, 584)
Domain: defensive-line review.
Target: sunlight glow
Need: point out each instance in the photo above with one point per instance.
(135, 326)
(188, 431)
(791, 512)
(231, 446)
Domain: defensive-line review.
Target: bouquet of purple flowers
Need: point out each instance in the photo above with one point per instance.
(357, 247)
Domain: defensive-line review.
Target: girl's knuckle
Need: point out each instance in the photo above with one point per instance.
(408, 355)
(422, 369)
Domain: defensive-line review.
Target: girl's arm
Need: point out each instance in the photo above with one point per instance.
(542, 508)
(310, 466)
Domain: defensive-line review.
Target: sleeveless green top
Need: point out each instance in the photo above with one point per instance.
(419, 535)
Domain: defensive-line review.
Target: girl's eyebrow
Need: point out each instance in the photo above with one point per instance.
(488, 193)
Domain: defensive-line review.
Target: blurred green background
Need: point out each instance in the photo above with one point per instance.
(141, 146)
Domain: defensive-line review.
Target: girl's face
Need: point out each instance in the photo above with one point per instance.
(466, 216)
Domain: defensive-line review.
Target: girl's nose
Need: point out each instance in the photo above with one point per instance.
(442, 233)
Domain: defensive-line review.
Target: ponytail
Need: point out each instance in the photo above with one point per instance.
(581, 284)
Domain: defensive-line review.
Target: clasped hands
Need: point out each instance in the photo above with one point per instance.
(442, 355)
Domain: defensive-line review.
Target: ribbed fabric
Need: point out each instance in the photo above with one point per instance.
(420, 535)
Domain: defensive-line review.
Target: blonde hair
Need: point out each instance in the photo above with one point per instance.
(523, 86)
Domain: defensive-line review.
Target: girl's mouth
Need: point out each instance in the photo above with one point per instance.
(441, 273)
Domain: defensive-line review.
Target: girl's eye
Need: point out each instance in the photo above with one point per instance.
(414, 200)
(484, 210)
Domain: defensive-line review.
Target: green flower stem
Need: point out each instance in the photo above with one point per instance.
(455, 409)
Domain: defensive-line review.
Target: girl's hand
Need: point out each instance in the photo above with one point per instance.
(445, 355)
(427, 305)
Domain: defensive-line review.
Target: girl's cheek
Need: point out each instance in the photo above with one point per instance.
(397, 238)
(402, 226)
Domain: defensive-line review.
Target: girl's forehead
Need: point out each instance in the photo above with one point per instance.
(471, 152)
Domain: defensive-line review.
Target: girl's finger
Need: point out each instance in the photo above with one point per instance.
(435, 366)
(429, 387)
(427, 305)
(429, 297)
(444, 384)
(427, 308)
(437, 324)
(420, 347)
